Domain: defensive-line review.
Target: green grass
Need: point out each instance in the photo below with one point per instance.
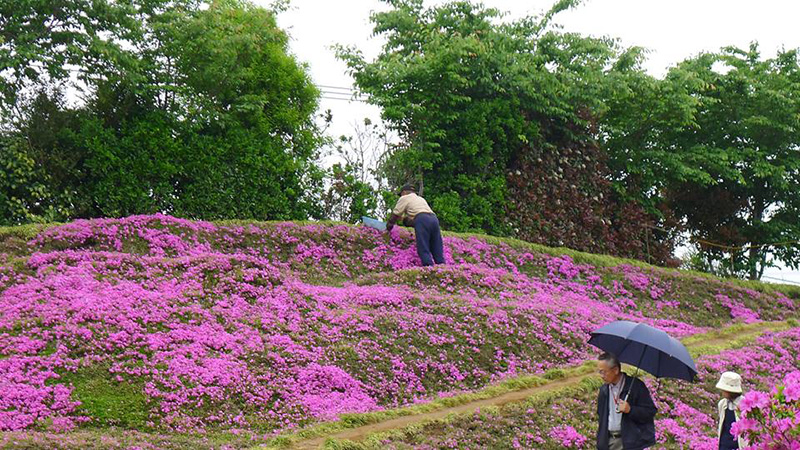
(108, 402)
(740, 334)
(586, 386)
(27, 231)
(113, 404)
(13, 240)
(348, 421)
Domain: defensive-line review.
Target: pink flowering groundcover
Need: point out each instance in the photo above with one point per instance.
(164, 325)
(687, 417)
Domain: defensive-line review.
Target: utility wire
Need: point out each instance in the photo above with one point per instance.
(730, 247)
(344, 99)
(337, 88)
(781, 280)
(340, 94)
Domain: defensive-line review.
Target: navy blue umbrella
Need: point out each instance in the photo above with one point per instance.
(647, 348)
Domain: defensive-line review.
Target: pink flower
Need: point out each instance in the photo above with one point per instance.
(743, 426)
(754, 400)
(567, 436)
(791, 390)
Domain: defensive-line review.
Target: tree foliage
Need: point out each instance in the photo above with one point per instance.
(713, 147)
(191, 109)
(745, 148)
(476, 99)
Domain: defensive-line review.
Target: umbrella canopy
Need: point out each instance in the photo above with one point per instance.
(647, 348)
(373, 223)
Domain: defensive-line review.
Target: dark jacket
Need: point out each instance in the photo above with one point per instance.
(638, 427)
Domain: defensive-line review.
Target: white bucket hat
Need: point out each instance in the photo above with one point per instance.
(730, 382)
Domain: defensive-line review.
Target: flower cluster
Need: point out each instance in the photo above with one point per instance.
(194, 326)
(772, 421)
(568, 437)
(687, 412)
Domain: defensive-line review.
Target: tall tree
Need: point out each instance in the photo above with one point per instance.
(249, 109)
(47, 41)
(464, 93)
(744, 203)
(189, 108)
(482, 106)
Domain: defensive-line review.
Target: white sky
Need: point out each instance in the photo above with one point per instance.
(672, 30)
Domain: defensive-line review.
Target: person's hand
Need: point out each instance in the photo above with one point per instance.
(624, 407)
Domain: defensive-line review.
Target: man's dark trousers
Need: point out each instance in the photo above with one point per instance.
(429, 239)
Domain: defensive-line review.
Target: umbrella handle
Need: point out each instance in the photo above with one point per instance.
(631, 388)
(641, 357)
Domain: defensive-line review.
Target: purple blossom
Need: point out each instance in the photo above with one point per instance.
(283, 325)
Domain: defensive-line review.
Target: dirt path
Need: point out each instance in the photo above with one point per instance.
(362, 432)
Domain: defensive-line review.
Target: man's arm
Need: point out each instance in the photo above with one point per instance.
(397, 213)
(392, 220)
(644, 410)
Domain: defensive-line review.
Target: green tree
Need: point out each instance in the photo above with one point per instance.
(192, 109)
(112, 157)
(498, 122)
(24, 194)
(745, 151)
(47, 41)
(466, 92)
(249, 110)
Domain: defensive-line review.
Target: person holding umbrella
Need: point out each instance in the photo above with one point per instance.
(625, 409)
(626, 421)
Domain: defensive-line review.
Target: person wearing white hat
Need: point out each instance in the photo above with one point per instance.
(730, 384)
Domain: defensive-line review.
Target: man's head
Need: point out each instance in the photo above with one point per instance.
(407, 189)
(608, 367)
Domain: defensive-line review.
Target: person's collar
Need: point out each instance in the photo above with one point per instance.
(735, 401)
(621, 381)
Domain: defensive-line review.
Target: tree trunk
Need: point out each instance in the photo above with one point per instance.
(755, 256)
(752, 260)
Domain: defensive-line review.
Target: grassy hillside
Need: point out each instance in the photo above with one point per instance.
(241, 331)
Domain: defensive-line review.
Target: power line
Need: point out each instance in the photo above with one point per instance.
(354, 93)
(344, 99)
(338, 88)
(340, 94)
(781, 280)
(730, 247)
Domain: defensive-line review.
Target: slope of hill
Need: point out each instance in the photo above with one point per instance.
(236, 332)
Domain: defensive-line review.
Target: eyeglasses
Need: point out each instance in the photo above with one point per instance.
(604, 371)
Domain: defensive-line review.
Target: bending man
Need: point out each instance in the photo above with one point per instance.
(414, 211)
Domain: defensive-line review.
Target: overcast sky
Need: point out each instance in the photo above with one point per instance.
(671, 30)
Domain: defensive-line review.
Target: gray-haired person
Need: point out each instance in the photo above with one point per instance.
(625, 410)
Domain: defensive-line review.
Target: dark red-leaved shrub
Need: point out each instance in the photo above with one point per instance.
(562, 196)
